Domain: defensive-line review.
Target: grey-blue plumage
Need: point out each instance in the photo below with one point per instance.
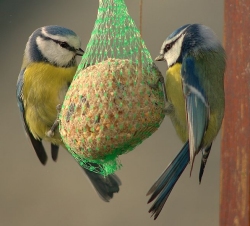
(49, 65)
(196, 100)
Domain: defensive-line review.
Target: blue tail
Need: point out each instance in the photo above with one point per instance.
(164, 185)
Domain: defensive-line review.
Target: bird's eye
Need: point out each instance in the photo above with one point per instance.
(64, 44)
(167, 47)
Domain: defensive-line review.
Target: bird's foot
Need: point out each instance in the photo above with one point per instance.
(53, 128)
(50, 133)
(55, 125)
(155, 86)
(169, 107)
(58, 108)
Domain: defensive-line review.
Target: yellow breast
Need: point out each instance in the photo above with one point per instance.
(44, 88)
(176, 98)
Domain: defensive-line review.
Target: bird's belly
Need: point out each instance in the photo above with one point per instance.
(41, 115)
(176, 98)
(42, 94)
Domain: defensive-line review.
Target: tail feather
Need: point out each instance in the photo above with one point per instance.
(164, 185)
(204, 157)
(104, 186)
(54, 151)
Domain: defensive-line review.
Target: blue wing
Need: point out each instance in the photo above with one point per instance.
(37, 144)
(197, 109)
(197, 106)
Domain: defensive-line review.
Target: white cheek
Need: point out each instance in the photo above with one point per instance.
(173, 54)
(54, 52)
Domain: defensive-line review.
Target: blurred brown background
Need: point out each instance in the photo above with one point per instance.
(59, 194)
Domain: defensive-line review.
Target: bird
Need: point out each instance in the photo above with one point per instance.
(49, 65)
(196, 62)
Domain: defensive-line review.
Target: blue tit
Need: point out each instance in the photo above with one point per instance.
(195, 94)
(49, 65)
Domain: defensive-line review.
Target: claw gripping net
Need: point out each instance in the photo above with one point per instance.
(114, 101)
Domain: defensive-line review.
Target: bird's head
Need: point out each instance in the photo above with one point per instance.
(53, 44)
(189, 39)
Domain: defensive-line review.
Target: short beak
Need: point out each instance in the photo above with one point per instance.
(79, 52)
(160, 58)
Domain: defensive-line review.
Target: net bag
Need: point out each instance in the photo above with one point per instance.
(114, 101)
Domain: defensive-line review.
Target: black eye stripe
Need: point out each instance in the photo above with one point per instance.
(170, 45)
(64, 45)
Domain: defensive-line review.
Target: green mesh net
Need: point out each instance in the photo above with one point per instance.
(112, 104)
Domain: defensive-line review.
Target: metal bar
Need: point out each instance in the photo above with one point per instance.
(235, 150)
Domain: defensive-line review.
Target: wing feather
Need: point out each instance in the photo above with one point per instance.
(197, 106)
(36, 143)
